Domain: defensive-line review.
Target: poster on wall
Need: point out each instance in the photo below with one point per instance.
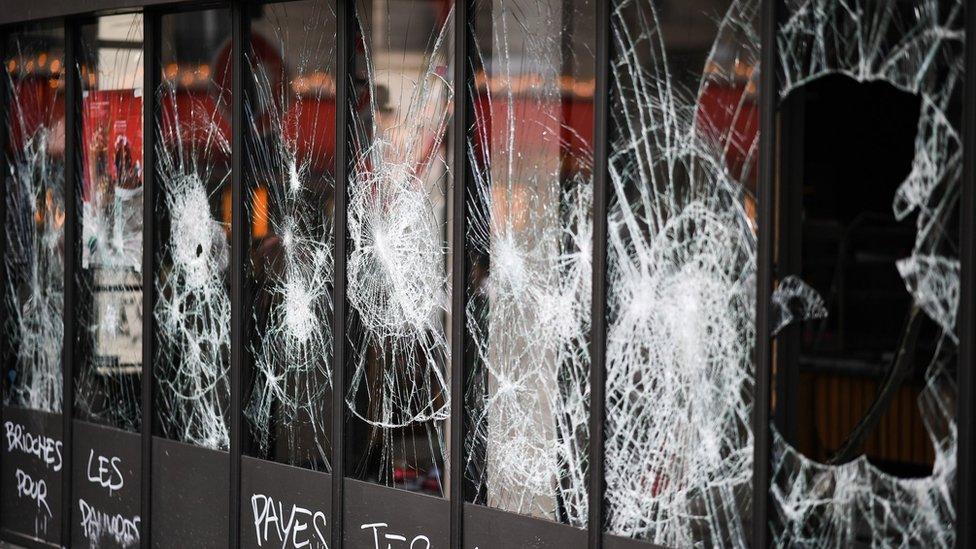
(112, 187)
(112, 222)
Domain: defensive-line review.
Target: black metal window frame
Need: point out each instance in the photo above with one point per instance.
(73, 13)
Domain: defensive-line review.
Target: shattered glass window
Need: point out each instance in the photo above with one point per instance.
(107, 383)
(530, 251)
(33, 219)
(681, 278)
(397, 261)
(864, 442)
(290, 115)
(193, 216)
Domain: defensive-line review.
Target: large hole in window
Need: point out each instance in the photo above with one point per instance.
(851, 380)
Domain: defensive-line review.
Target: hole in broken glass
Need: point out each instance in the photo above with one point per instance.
(848, 146)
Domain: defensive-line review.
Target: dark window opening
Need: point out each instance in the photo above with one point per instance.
(847, 147)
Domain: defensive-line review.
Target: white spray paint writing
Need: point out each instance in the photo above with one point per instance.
(106, 474)
(97, 524)
(42, 447)
(33, 489)
(303, 528)
(417, 542)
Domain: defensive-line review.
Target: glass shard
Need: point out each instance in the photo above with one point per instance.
(794, 300)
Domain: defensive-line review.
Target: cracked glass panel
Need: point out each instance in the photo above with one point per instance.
(681, 279)
(290, 112)
(864, 441)
(108, 378)
(33, 220)
(192, 309)
(398, 261)
(529, 243)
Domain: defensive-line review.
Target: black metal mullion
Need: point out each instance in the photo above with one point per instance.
(598, 335)
(764, 277)
(344, 49)
(150, 83)
(966, 323)
(240, 231)
(72, 184)
(4, 181)
(459, 276)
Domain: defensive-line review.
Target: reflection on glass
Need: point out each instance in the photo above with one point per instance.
(529, 241)
(192, 309)
(290, 112)
(33, 226)
(864, 315)
(397, 263)
(107, 384)
(681, 281)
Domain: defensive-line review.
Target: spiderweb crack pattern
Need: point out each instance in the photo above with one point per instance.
(292, 352)
(397, 281)
(34, 257)
(528, 318)
(681, 288)
(192, 307)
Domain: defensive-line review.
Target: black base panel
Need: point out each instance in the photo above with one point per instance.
(13, 540)
(377, 516)
(284, 506)
(107, 487)
(487, 528)
(617, 542)
(189, 495)
(30, 475)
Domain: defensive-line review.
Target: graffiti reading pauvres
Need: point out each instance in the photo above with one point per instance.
(106, 473)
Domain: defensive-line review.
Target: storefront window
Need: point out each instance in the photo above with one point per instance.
(397, 262)
(108, 385)
(507, 273)
(529, 245)
(864, 446)
(682, 263)
(34, 216)
(290, 139)
(192, 309)
(34, 219)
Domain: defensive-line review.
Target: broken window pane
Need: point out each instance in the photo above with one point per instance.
(193, 215)
(681, 279)
(397, 262)
(529, 243)
(290, 115)
(33, 222)
(109, 370)
(865, 440)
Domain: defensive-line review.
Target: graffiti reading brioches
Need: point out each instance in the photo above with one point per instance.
(105, 472)
(32, 485)
(290, 524)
